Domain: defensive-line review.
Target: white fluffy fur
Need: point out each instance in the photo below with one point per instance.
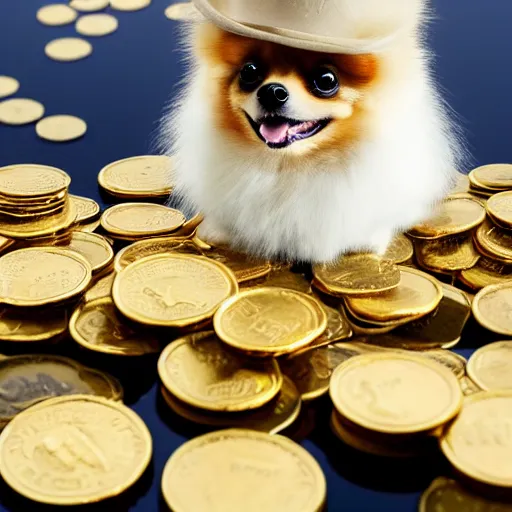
(337, 202)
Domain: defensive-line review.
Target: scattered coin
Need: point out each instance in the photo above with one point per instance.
(28, 180)
(490, 366)
(268, 320)
(28, 379)
(61, 128)
(172, 290)
(497, 176)
(97, 326)
(454, 215)
(8, 86)
(141, 219)
(19, 111)
(418, 293)
(89, 5)
(129, 5)
(283, 476)
(67, 49)
(284, 278)
(101, 288)
(96, 24)
(399, 250)
(39, 276)
(56, 14)
(137, 177)
(223, 381)
(492, 308)
(473, 443)
(106, 445)
(94, 248)
(86, 209)
(88, 227)
(499, 208)
(357, 274)
(395, 393)
(494, 242)
(486, 272)
(183, 11)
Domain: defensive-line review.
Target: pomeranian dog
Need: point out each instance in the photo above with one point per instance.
(306, 155)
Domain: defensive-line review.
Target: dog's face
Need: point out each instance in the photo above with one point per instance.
(287, 100)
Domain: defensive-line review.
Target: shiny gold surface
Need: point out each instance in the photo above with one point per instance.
(485, 273)
(490, 366)
(74, 450)
(100, 287)
(234, 470)
(31, 180)
(94, 248)
(270, 320)
(468, 386)
(172, 290)
(399, 250)
(86, 209)
(495, 241)
(358, 274)
(418, 293)
(202, 372)
(492, 308)
(476, 443)
(498, 176)
(96, 325)
(38, 276)
(453, 216)
(395, 393)
(139, 176)
(499, 207)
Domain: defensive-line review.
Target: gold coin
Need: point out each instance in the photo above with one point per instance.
(30, 180)
(86, 209)
(38, 276)
(494, 176)
(26, 380)
(490, 366)
(230, 470)
(468, 386)
(31, 211)
(97, 326)
(87, 227)
(492, 308)
(138, 176)
(89, 5)
(284, 278)
(399, 250)
(61, 128)
(173, 290)
(395, 393)
(74, 450)
(357, 274)
(272, 418)
(67, 49)
(5, 243)
(499, 207)
(129, 5)
(56, 14)
(141, 219)
(222, 380)
(447, 254)
(20, 325)
(418, 293)
(96, 24)
(446, 495)
(460, 185)
(8, 86)
(37, 226)
(18, 111)
(476, 442)
(185, 11)
(485, 273)
(94, 248)
(100, 288)
(494, 241)
(453, 216)
(269, 320)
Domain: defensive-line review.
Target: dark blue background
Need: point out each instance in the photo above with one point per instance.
(121, 90)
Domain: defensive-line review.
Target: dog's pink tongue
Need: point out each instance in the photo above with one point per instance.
(274, 134)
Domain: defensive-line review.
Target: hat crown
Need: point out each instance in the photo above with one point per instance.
(358, 19)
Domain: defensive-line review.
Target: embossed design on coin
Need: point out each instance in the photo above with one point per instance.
(270, 320)
(399, 250)
(478, 442)
(199, 370)
(96, 325)
(38, 276)
(499, 207)
(30, 180)
(172, 289)
(497, 176)
(490, 367)
(243, 470)
(492, 307)
(74, 450)
(141, 219)
(86, 209)
(395, 393)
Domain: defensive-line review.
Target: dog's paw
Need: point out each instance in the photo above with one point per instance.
(211, 234)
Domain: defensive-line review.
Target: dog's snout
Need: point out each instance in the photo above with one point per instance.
(273, 96)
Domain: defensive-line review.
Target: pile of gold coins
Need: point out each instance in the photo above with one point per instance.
(244, 344)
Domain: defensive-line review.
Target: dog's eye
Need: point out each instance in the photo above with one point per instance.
(324, 83)
(251, 75)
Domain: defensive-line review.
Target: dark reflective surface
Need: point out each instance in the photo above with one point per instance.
(120, 91)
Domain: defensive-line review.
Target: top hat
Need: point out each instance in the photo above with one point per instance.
(332, 26)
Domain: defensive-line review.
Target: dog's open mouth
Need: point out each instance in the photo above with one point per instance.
(279, 132)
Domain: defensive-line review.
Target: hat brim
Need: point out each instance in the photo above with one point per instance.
(301, 40)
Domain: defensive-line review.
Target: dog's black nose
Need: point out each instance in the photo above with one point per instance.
(273, 96)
